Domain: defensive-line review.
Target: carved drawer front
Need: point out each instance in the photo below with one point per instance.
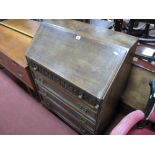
(71, 114)
(75, 91)
(77, 123)
(74, 102)
(63, 114)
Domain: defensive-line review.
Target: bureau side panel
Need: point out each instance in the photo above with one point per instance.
(110, 102)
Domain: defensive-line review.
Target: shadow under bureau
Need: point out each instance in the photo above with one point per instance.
(80, 71)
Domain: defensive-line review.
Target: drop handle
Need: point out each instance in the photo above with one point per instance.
(83, 121)
(35, 68)
(82, 109)
(80, 96)
(85, 110)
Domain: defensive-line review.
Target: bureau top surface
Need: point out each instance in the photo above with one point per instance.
(89, 61)
(13, 41)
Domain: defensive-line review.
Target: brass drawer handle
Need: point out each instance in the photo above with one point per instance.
(85, 110)
(80, 96)
(35, 68)
(82, 109)
(83, 121)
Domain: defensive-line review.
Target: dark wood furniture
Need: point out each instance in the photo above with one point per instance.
(15, 37)
(146, 36)
(80, 71)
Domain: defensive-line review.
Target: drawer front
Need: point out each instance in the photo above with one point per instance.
(20, 72)
(81, 106)
(73, 114)
(52, 105)
(63, 114)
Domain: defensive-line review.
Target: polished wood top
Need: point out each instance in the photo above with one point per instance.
(25, 26)
(88, 59)
(13, 41)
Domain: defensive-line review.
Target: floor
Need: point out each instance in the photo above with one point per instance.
(20, 113)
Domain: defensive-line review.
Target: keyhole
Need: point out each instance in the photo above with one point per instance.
(78, 37)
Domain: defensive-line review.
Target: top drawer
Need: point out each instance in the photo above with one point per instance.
(74, 90)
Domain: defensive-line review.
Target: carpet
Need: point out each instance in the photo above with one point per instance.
(21, 114)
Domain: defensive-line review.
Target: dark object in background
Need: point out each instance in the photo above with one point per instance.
(143, 34)
(151, 101)
(80, 72)
(118, 24)
(2, 19)
(134, 23)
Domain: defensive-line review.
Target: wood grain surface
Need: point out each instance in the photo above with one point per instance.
(15, 38)
(14, 44)
(25, 26)
(87, 60)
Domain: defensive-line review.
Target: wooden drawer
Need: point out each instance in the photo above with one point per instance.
(58, 106)
(67, 86)
(67, 106)
(20, 72)
(63, 114)
(74, 102)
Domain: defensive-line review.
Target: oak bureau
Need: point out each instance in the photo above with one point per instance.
(80, 71)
